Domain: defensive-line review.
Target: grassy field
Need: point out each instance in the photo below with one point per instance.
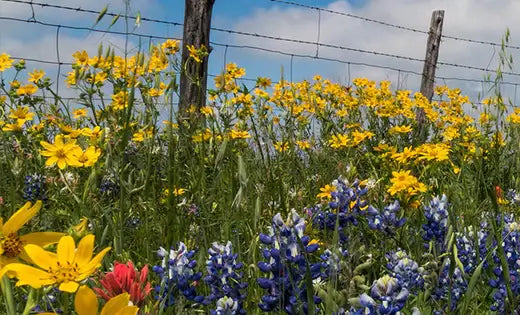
(286, 197)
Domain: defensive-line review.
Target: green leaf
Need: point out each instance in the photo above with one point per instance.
(101, 14)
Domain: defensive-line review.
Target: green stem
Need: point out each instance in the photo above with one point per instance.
(8, 296)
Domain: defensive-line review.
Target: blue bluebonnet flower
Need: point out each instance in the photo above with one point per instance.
(511, 247)
(177, 275)
(225, 279)
(109, 186)
(469, 256)
(388, 220)
(133, 222)
(405, 270)
(331, 262)
(513, 197)
(285, 252)
(34, 188)
(447, 281)
(227, 306)
(436, 222)
(387, 296)
(347, 205)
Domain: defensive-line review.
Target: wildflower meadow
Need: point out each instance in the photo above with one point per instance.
(276, 197)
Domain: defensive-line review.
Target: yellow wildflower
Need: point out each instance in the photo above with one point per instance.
(237, 134)
(61, 153)
(401, 129)
(89, 157)
(66, 268)
(36, 76)
(12, 245)
(27, 89)
(5, 62)
(21, 114)
(81, 112)
(325, 192)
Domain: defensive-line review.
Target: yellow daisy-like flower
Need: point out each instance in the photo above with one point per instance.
(68, 266)
(304, 145)
(170, 46)
(80, 58)
(61, 153)
(326, 192)
(12, 245)
(21, 114)
(81, 112)
(94, 134)
(27, 89)
(5, 62)
(237, 134)
(400, 129)
(404, 181)
(197, 54)
(14, 127)
(86, 303)
(36, 76)
(89, 157)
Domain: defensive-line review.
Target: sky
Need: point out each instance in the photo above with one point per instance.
(483, 20)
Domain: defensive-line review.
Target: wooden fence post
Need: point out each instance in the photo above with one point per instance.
(193, 80)
(430, 61)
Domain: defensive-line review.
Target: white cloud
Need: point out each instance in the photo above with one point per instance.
(483, 19)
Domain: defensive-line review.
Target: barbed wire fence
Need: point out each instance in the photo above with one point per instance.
(260, 39)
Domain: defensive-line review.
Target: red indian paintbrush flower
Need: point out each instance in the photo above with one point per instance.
(125, 278)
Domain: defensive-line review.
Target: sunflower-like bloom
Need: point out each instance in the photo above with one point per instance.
(86, 303)
(65, 268)
(12, 245)
(61, 152)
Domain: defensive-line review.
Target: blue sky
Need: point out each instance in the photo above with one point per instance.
(477, 19)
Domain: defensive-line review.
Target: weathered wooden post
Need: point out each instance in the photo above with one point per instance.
(193, 80)
(430, 61)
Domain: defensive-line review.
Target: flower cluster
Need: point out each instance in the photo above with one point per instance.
(347, 205)
(388, 220)
(436, 221)
(177, 275)
(286, 251)
(511, 247)
(403, 268)
(225, 279)
(449, 282)
(387, 296)
(125, 278)
(34, 188)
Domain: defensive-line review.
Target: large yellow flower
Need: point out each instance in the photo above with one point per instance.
(66, 268)
(86, 303)
(89, 157)
(12, 245)
(404, 181)
(61, 153)
(21, 114)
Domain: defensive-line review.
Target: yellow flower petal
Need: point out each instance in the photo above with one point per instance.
(20, 217)
(87, 269)
(128, 310)
(42, 238)
(69, 286)
(85, 250)
(40, 257)
(115, 304)
(85, 302)
(66, 250)
(27, 275)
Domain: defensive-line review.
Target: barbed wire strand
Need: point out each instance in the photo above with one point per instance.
(401, 27)
(358, 50)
